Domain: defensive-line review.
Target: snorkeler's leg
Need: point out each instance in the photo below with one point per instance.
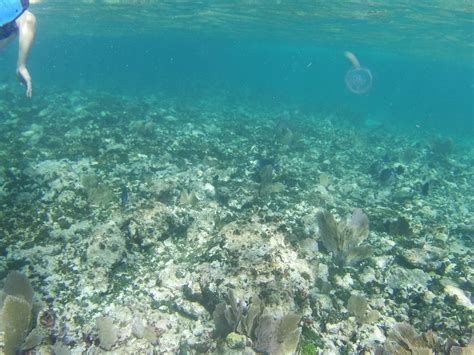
(27, 31)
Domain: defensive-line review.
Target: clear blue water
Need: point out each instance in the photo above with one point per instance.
(420, 55)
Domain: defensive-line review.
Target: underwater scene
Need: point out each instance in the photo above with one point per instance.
(239, 177)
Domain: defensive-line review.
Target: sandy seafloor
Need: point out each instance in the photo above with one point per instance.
(146, 211)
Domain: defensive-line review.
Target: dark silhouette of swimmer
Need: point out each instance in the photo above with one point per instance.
(15, 20)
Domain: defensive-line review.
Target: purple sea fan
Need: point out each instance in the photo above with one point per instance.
(359, 223)
(344, 238)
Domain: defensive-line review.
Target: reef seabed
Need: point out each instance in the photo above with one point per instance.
(138, 214)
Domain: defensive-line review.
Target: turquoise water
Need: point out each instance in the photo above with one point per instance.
(420, 55)
(184, 166)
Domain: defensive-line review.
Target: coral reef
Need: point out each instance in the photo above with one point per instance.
(133, 228)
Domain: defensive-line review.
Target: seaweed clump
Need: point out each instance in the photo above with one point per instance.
(344, 238)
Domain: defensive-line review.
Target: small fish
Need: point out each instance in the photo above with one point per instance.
(124, 196)
(425, 188)
(387, 175)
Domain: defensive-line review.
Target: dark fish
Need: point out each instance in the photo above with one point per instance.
(399, 169)
(425, 188)
(387, 175)
(124, 196)
(375, 168)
